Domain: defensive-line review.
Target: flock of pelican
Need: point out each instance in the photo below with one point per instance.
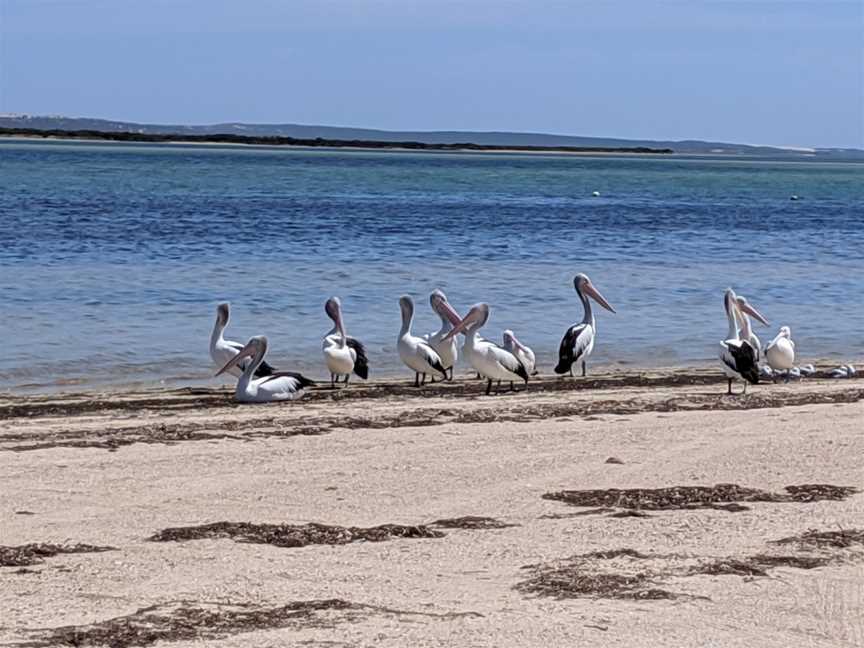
(434, 355)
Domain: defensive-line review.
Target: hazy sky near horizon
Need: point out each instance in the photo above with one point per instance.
(757, 71)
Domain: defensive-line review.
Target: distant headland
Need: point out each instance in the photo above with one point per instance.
(18, 124)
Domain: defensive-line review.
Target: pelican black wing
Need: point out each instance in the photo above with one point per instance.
(745, 361)
(361, 362)
(302, 380)
(571, 348)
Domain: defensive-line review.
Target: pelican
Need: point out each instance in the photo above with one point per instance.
(282, 385)
(780, 352)
(523, 353)
(448, 350)
(752, 338)
(416, 352)
(342, 353)
(736, 352)
(487, 358)
(222, 350)
(578, 341)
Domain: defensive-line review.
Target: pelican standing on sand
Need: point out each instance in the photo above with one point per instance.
(281, 385)
(578, 341)
(448, 350)
(488, 359)
(780, 352)
(416, 352)
(222, 350)
(736, 352)
(342, 353)
(751, 338)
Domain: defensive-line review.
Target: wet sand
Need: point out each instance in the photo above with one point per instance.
(114, 469)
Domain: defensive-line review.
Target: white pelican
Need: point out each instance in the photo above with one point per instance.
(282, 385)
(523, 353)
(222, 350)
(751, 338)
(578, 341)
(488, 359)
(780, 352)
(342, 353)
(416, 352)
(448, 350)
(736, 352)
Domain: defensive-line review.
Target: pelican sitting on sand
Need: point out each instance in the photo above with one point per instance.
(523, 353)
(342, 353)
(488, 359)
(222, 350)
(414, 351)
(737, 353)
(279, 386)
(780, 352)
(578, 341)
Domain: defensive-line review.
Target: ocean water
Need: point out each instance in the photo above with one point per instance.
(113, 257)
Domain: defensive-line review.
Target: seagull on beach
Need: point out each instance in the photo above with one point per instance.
(414, 351)
(578, 341)
(488, 359)
(222, 350)
(279, 386)
(342, 353)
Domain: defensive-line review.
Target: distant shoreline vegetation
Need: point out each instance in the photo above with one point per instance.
(158, 138)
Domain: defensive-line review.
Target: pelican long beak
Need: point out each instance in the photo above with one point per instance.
(247, 350)
(460, 326)
(591, 291)
(747, 308)
(449, 312)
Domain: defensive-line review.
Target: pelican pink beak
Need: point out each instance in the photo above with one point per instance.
(248, 350)
(473, 315)
(745, 307)
(443, 307)
(508, 335)
(592, 292)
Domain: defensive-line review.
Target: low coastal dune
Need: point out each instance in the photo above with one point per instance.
(500, 525)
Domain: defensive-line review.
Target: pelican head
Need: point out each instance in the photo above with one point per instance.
(442, 307)
(786, 332)
(473, 321)
(746, 307)
(223, 312)
(333, 308)
(256, 346)
(406, 305)
(511, 341)
(583, 286)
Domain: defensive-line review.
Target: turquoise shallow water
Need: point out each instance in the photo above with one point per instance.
(112, 257)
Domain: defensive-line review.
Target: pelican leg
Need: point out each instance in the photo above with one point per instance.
(571, 370)
(451, 374)
(511, 386)
(416, 379)
(332, 381)
(745, 388)
(729, 393)
(488, 386)
(347, 376)
(498, 388)
(584, 369)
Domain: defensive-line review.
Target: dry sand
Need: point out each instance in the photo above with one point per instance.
(114, 469)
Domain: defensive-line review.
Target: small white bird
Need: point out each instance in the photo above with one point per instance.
(850, 370)
(282, 385)
(414, 351)
(839, 372)
(222, 350)
(794, 372)
(342, 353)
(780, 352)
(807, 370)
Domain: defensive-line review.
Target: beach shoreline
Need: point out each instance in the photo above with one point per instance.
(111, 469)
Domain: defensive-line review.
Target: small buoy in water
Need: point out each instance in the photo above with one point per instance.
(793, 197)
(595, 193)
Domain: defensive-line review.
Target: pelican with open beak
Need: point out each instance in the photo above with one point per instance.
(342, 353)
(488, 359)
(578, 342)
(414, 351)
(280, 386)
(737, 353)
(448, 350)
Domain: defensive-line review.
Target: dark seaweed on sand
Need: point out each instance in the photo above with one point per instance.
(840, 539)
(293, 535)
(472, 522)
(757, 565)
(725, 496)
(35, 553)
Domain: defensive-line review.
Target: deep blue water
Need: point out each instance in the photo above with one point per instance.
(112, 257)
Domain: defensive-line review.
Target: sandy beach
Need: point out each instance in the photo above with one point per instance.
(698, 567)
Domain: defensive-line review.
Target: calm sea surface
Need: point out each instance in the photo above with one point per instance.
(113, 257)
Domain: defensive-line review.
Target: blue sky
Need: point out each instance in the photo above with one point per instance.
(763, 72)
